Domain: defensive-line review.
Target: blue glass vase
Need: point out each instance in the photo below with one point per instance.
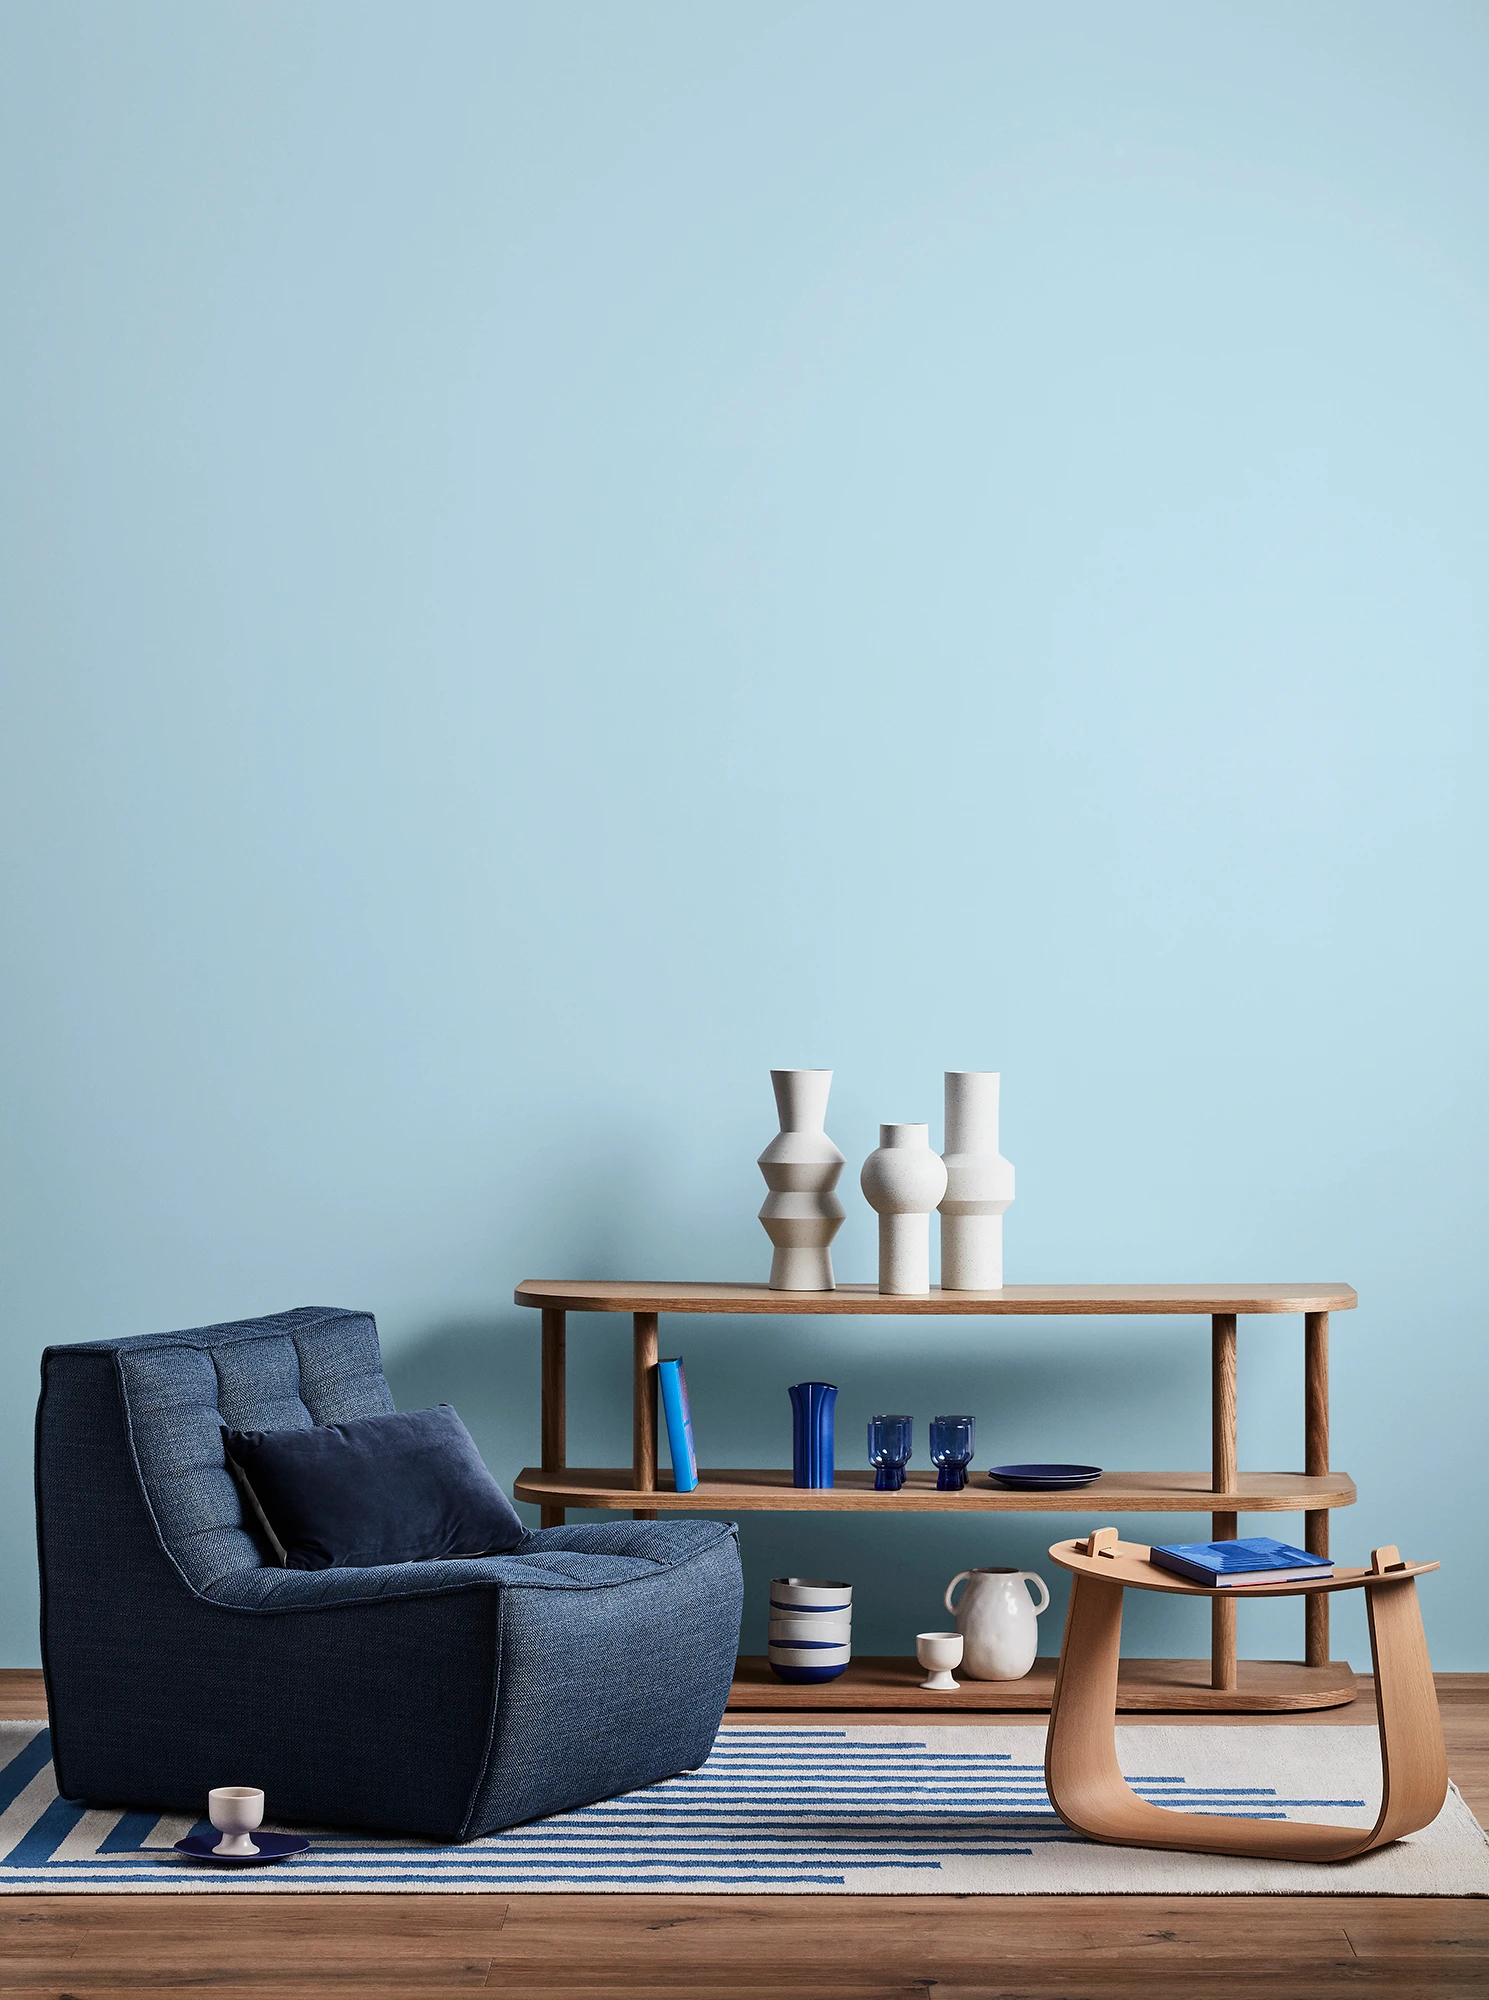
(811, 1433)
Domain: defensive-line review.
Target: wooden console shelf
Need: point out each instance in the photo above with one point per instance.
(1224, 1492)
(1164, 1687)
(770, 1489)
(625, 1295)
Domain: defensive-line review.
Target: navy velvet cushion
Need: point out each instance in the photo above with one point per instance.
(409, 1487)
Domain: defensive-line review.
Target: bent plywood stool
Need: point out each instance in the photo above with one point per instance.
(1085, 1783)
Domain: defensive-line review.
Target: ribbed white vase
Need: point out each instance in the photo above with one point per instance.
(801, 1214)
(903, 1181)
(979, 1184)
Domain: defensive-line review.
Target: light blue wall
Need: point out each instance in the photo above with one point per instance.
(557, 556)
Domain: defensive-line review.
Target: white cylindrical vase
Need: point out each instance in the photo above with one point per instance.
(903, 1181)
(801, 1214)
(979, 1185)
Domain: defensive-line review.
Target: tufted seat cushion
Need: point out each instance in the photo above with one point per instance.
(580, 1558)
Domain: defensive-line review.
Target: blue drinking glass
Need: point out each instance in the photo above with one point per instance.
(890, 1441)
(952, 1443)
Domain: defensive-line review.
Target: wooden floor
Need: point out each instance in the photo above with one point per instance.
(777, 1947)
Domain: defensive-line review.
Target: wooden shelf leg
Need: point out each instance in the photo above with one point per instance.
(644, 1412)
(1316, 1460)
(1223, 1474)
(555, 1405)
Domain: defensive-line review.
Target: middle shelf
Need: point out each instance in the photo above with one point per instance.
(770, 1488)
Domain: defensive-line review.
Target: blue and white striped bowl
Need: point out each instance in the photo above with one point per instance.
(831, 1630)
(797, 1594)
(811, 1656)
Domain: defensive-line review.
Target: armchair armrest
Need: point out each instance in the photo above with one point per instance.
(664, 1543)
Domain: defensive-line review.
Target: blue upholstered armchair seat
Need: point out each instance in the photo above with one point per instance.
(445, 1698)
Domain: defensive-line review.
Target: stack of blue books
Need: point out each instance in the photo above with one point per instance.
(1226, 1565)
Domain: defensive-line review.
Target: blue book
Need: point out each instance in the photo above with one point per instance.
(1226, 1564)
(674, 1387)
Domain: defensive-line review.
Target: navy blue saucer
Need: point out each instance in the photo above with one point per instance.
(271, 1847)
(1043, 1478)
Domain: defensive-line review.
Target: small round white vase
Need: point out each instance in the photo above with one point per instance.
(979, 1185)
(903, 1181)
(801, 1214)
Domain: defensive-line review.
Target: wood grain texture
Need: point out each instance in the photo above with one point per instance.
(1262, 1687)
(814, 1947)
(644, 1411)
(1127, 1563)
(1316, 1460)
(555, 1403)
(1224, 1524)
(769, 1488)
(659, 1296)
(1224, 1665)
(1223, 1402)
(1085, 1781)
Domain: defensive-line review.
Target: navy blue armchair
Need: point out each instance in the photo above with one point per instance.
(446, 1698)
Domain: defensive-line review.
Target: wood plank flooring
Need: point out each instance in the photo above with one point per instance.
(776, 1947)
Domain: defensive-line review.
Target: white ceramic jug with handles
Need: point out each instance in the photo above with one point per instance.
(997, 1621)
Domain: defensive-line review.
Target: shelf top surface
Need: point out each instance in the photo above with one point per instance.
(771, 1488)
(1129, 1563)
(620, 1295)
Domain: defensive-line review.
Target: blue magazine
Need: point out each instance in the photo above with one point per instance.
(674, 1387)
(1258, 1560)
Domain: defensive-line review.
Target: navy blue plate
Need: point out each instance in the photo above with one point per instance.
(271, 1847)
(1043, 1478)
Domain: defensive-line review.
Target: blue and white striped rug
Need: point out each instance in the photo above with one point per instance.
(802, 1811)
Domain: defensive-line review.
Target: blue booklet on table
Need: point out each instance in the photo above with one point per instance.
(1223, 1564)
(674, 1387)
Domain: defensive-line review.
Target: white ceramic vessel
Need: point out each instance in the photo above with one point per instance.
(801, 1214)
(236, 1811)
(979, 1184)
(997, 1621)
(903, 1181)
(938, 1653)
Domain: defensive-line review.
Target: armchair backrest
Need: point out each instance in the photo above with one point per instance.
(171, 1395)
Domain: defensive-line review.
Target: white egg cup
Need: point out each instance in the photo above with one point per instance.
(236, 1811)
(939, 1652)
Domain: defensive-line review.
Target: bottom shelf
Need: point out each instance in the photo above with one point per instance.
(1174, 1686)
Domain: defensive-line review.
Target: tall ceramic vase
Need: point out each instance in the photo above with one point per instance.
(801, 1214)
(903, 1181)
(979, 1185)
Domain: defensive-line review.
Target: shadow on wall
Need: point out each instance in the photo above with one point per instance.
(488, 1369)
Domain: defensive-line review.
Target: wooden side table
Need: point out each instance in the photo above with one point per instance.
(1222, 1490)
(1085, 1782)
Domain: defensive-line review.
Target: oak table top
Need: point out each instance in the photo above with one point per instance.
(1131, 1564)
